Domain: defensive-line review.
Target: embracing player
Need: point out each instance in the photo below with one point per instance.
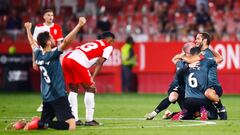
(76, 66)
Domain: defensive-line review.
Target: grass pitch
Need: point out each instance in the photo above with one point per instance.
(121, 115)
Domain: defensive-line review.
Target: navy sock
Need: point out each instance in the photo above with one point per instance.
(58, 125)
(162, 105)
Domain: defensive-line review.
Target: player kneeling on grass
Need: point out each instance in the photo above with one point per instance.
(53, 89)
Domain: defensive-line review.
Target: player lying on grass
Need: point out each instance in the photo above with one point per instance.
(53, 89)
(214, 90)
(176, 89)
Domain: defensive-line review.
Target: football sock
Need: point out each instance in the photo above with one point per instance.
(58, 125)
(89, 105)
(163, 105)
(72, 98)
(218, 105)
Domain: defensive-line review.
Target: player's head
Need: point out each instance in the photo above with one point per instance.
(130, 40)
(187, 47)
(44, 39)
(202, 38)
(48, 15)
(195, 51)
(108, 36)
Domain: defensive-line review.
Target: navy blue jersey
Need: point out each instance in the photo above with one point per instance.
(52, 80)
(212, 75)
(196, 79)
(179, 65)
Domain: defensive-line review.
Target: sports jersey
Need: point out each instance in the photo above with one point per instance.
(196, 80)
(179, 65)
(212, 75)
(52, 80)
(87, 54)
(55, 30)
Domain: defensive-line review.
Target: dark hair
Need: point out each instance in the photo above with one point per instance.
(42, 38)
(130, 40)
(107, 34)
(195, 50)
(47, 10)
(205, 35)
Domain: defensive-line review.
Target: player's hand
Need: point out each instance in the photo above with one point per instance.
(28, 25)
(35, 66)
(82, 21)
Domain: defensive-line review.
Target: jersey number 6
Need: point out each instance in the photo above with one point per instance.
(192, 81)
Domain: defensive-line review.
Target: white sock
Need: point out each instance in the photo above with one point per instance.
(89, 105)
(72, 98)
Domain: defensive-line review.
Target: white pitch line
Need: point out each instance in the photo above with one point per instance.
(195, 123)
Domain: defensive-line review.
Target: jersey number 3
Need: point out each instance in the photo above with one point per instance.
(88, 46)
(192, 81)
(45, 74)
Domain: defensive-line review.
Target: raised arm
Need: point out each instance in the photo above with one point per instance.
(31, 41)
(218, 57)
(70, 37)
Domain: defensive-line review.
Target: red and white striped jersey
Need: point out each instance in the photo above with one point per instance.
(55, 30)
(88, 53)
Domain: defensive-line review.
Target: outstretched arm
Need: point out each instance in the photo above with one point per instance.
(31, 41)
(70, 37)
(191, 59)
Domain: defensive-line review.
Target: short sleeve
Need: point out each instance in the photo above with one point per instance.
(107, 52)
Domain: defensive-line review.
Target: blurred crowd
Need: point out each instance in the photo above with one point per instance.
(145, 20)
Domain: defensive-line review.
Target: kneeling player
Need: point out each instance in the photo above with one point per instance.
(53, 89)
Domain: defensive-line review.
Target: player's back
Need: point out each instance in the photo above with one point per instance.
(52, 80)
(197, 79)
(88, 53)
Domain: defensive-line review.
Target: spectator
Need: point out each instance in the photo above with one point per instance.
(128, 62)
(14, 24)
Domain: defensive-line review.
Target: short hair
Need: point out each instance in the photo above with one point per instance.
(187, 46)
(205, 35)
(129, 40)
(195, 50)
(107, 34)
(47, 10)
(42, 39)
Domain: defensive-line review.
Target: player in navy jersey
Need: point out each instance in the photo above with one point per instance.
(214, 90)
(176, 89)
(196, 83)
(53, 89)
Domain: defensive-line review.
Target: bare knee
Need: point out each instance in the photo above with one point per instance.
(173, 97)
(72, 124)
(74, 87)
(211, 95)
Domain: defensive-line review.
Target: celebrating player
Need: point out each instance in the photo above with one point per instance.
(53, 90)
(176, 89)
(75, 68)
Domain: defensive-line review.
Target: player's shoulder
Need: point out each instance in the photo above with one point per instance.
(39, 25)
(56, 25)
(102, 43)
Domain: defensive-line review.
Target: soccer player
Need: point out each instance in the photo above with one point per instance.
(75, 68)
(176, 89)
(53, 90)
(196, 82)
(55, 31)
(214, 90)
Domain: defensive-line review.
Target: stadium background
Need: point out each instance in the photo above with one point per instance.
(160, 27)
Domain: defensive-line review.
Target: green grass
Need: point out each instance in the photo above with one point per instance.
(14, 106)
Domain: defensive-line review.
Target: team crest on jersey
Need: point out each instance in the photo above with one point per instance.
(55, 31)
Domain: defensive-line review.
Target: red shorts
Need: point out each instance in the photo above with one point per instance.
(75, 73)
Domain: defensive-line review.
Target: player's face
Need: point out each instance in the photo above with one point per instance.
(199, 40)
(48, 17)
(110, 41)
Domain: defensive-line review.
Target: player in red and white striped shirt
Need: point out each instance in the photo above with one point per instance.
(54, 29)
(75, 69)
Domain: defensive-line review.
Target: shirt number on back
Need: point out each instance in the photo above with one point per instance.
(45, 74)
(192, 81)
(88, 47)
